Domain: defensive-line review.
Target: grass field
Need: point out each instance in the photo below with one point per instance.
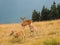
(47, 32)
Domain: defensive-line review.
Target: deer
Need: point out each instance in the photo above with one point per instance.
(17, 34)
(26, 22)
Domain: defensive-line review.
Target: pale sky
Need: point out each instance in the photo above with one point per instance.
(12, 10)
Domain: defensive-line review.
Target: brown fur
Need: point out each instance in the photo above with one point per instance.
(26, 22)
(17, 34)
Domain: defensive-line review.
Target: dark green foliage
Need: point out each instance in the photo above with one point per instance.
(35, 16)
(53, 12)
(46, 14)
(58, 8)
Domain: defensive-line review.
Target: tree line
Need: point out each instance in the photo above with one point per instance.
(47, 14)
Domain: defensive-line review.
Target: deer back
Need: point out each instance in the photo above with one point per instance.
(26, 22)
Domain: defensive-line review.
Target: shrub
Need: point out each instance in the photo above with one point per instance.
(51, 42)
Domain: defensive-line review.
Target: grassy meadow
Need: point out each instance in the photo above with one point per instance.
(47, 33)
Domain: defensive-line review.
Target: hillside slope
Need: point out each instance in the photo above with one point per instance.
(45, 30)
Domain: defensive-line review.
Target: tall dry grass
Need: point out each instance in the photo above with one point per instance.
(44, 30)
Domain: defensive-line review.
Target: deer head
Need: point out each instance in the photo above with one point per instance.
(22, 19)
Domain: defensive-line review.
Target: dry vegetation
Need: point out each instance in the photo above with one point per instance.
(46, 30)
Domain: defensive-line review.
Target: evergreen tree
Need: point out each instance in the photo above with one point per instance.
(58, 8)
(44, 13)
(35, 16)
(53, 12)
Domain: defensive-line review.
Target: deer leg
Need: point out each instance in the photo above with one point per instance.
(31, 28)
